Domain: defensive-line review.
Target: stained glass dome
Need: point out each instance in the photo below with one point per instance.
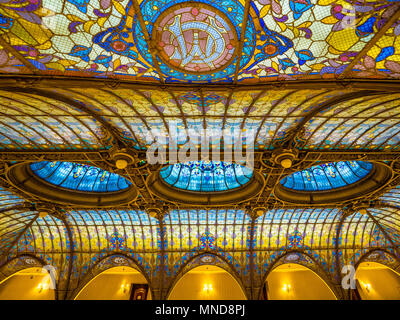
(206, 176)
(328, 176)
(79, 177)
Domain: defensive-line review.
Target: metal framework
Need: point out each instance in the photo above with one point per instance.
(48, 115)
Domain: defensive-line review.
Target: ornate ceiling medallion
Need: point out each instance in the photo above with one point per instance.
(333, 182)
(195, 38)
(72, 183)
(194, 41)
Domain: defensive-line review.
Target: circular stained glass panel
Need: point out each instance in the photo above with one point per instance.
(195, 38)
(328, 176)
(79, 177)
(206, 176)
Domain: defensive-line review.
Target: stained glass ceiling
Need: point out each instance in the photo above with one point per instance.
(206, 176)
(201, 41)
(79, 177)
(328, 176)
(80, 111)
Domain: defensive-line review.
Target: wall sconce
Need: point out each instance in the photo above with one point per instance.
(124, 287)
(286, 287)
(367, 287)
(41, 287)
(208, 287)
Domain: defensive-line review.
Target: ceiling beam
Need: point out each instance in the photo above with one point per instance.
(71, 253)
(18, 55)
(241, 40)
(90, 155)
(47, 81)
(253, 229)
(339, 227)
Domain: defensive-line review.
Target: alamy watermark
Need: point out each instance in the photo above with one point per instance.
(349, 279)
(349, 18)
(182, 145)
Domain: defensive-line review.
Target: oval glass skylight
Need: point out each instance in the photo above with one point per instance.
(206, 176)
(328, 176)
(79, 177)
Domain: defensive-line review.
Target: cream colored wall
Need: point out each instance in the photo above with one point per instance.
(377, 282)
(304, 284)
(28, 284)
(191, 285)
(109, 285)
(383, 283)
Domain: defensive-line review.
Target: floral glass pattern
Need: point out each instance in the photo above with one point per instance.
(285, 40)
(79, 177)
(206, 176)
(328, 176)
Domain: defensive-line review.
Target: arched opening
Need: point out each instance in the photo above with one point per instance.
(118, 283)
(28, 284)
(207, 282)
(296, 282)
(375, 281)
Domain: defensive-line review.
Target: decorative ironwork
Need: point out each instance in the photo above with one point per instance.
(61, 100)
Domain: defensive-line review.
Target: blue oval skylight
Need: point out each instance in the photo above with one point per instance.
(79, 177)
(206, 176)
(328, 176)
